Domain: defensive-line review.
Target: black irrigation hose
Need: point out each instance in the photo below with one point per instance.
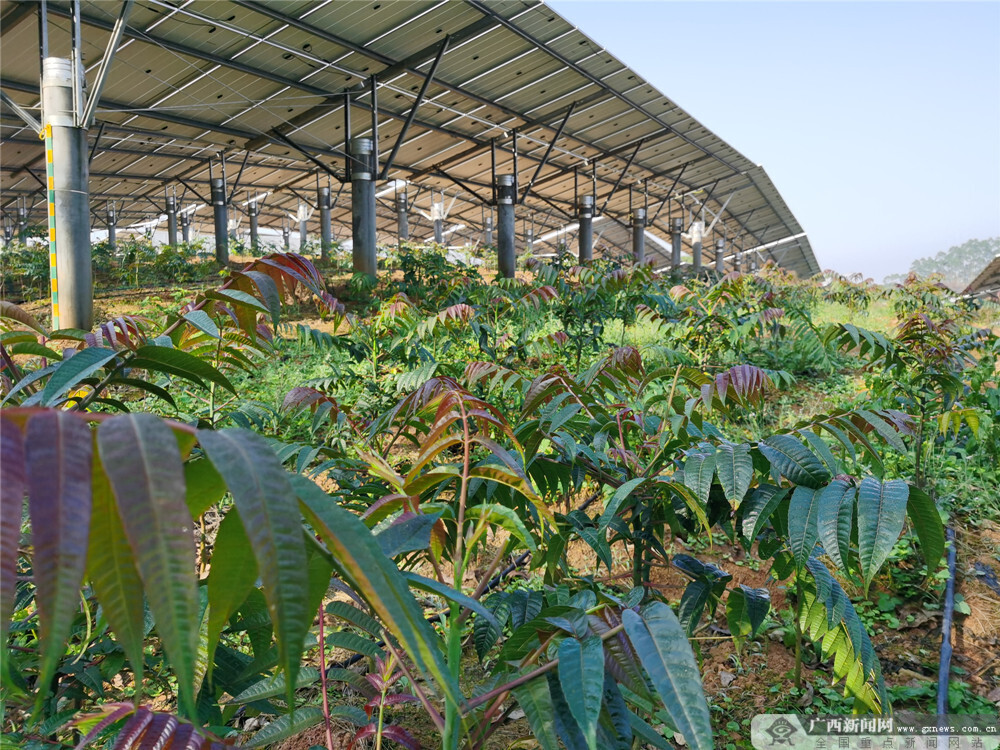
(944, 669)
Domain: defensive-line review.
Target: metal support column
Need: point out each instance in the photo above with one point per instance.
(675, 237)
(22, 225)
(221, 215)
(506, 194)
(303, 215)
(437, 215)
(253, 211)
(697, 232)
(112, 219)
(402, 220)
(585, 236)
(488, 239)
(186, 226)
(325, 224)
(363, 207)
(172, 221)
(529, 241)
(73, 297)
(720, 253)
(286, 237)
(639, 236)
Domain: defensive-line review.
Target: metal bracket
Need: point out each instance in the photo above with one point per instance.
(413, 110)
(105, 67)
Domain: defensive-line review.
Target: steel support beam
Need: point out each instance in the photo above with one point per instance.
(253, 211)
(676, 240)
(325, 225)
(402, 219)
(363, 207)
(401, 138)
(303, 216)
(111, 219)
(22, 225)
(172, 221)
(488, 240)
(720, 256)
(221, 215)
(585, 235)
(506, 253)
(697, 236)
(73, 292)
(87, 118)
(548, 151)
(286, 237)
(437, 216)
(639, 236)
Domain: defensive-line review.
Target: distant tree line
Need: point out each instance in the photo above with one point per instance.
(958, 266)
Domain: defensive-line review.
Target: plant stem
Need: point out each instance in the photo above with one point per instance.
(322, 681)
(798, 629)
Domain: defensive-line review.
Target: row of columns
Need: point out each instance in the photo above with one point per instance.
(72, 227)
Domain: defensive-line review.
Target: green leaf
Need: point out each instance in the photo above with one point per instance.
(535, 700)
(803, 510)
(407, 535)
(266, 502)
(735, 469)
(71, 371)
(143, 463)
(176, 362)
(664, 651)
(112, 572)
(649, 735)
(761, 504)
(881, 513)
(581, 677)
(506, 518)
(361, 563)
(308, 716)
(33, 348)
(794, 461)
(486, 632)
(275, 685)
(696, 596)
(13, 312)
(355, 643)
(927, 523)
(57, 449)
(230, 296)
(204, 486)
(143, 385)
(746, 610)
(349, 613)
(612, 506)
(698, 472)
(836, 516)
(447, 592)
(232, 575)
(203, 322)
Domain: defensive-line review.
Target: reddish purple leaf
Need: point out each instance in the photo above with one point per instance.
(158, 732)
(143, 463)
(133, 730)
(116, 712)
(58, 448)
(12, 484)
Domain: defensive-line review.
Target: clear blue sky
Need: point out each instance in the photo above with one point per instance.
(879, 122)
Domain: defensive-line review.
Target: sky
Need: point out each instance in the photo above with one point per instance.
(879, 122)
